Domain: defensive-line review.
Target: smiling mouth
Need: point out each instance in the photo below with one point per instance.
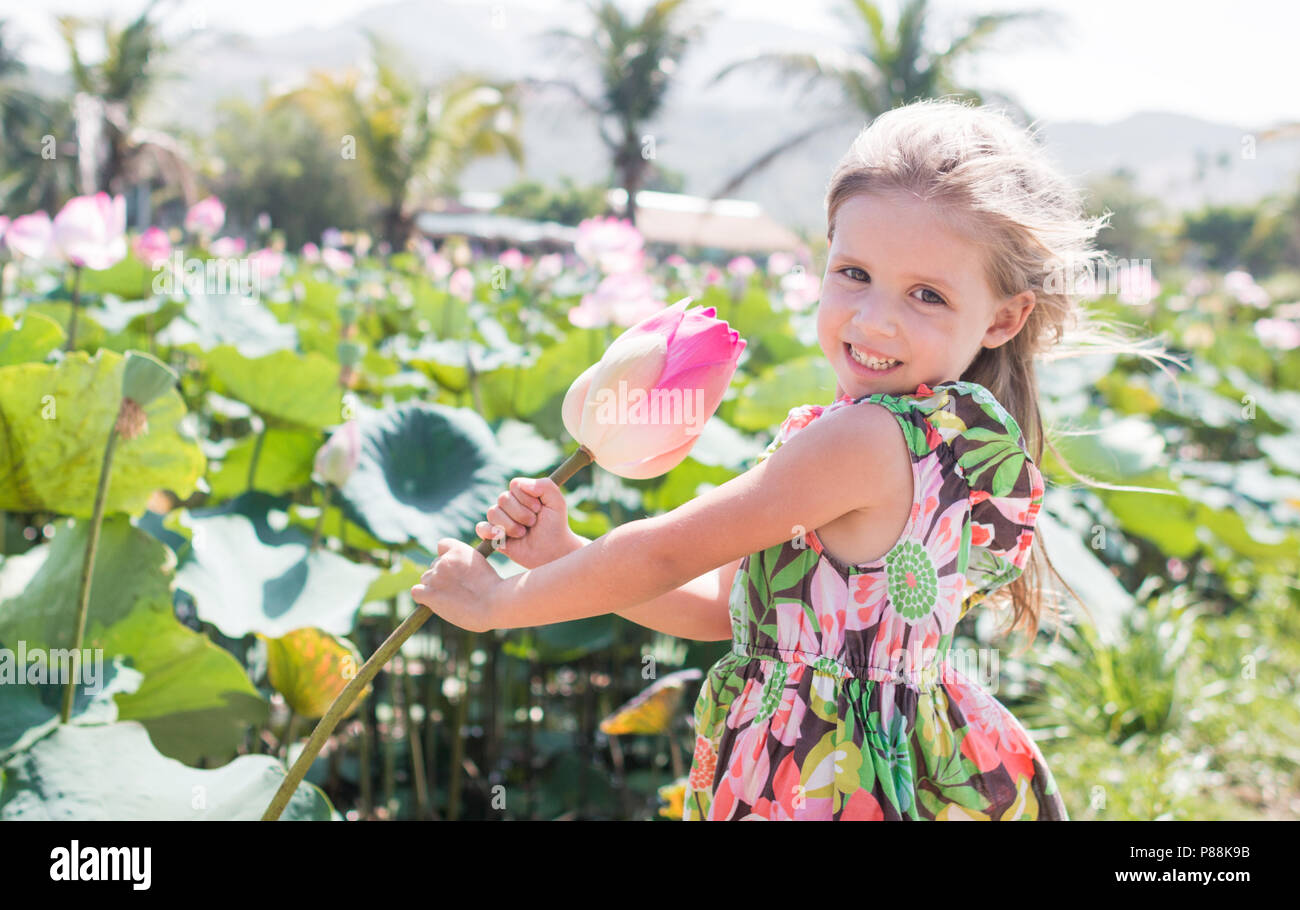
(871, 363)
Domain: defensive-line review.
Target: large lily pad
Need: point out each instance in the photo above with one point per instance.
(210, 320)
(195, 699)
(112, 772)
(310, 668)
(296, 388)
(30, 340)
(54, 423)
(426, 472)
(247, 577)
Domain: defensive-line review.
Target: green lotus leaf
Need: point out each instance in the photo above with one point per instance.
(114, 773)
(310, 667)
(426, 472)
(210, 320)
(32, 339)
(299, 389)
(280, 584)
(195, 699)
(54, 424)
(284, 464)
(30, 709)
(765, 402)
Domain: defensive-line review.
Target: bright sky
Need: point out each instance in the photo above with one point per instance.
(1232, 62)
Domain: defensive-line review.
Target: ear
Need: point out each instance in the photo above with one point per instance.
(1008, 319)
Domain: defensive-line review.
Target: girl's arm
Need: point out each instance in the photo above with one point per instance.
(699, 610)
(837, 464)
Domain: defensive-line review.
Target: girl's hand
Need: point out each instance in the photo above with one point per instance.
(461, 587)
(531, 522)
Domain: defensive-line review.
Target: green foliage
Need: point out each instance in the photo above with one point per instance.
(566, 204)
(276, 161)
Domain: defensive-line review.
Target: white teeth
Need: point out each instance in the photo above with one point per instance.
(872, 362)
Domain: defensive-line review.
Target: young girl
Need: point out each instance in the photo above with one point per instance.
(841, 562)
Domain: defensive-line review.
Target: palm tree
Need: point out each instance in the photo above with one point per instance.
(635, 61)
(33, 174)
(113, 152)
(405, 133)
(891, 66)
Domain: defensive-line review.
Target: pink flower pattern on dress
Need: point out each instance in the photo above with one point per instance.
(817, 711)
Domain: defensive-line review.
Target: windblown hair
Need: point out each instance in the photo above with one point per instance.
(991, 181)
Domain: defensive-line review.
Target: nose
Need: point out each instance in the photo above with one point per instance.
(874, 316)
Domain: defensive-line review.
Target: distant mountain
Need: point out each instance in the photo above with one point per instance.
(707, 132)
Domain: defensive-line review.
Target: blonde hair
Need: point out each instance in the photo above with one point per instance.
(990, 179)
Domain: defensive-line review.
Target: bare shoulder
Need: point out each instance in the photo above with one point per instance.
(867, 456)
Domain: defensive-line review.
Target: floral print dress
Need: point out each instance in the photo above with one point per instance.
(839, 699)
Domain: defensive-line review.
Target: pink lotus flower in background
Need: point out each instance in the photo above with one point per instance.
(152, 247)
(90, 231)
(712, 275)
(779, 263)
(228, 247)
(268, 262)
(1196, 286)
(1137, 286)
(338, 458)
(205, 217)
(439, 266)
(1281, 334)
(310, 252)
(1242, 285)
(676, 261)
(549, 266)
(801, 288)
(338, 261)
(611, 244)
(512, 259)
(624, 298)
(31, 235)
(675, 355)
(461, 284)
(742, 266)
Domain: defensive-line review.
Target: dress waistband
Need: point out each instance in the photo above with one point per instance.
(921, 678)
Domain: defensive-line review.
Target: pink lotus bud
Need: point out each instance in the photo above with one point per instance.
(742, 266)
(338, 261)
(461, 284)
(549, 266)
(624, 298)
(268, 262)
(205, 217)
(641, 407)
(90, 231)
(1282, 334)
(338, 458)
(800, 288)
(439, 266)
(310, 252)
(152, 247)
(611, 244)
(779, 263)
(228, 247)
(31, 235)
(511, 259)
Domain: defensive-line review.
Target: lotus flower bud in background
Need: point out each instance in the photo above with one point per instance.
(90, 231)
(338, 458)
(228, 247)
(640, 408)
(310, 252)
(30, 235)
(152, 247)
(611, 244)
(205, 217)
(338, 261)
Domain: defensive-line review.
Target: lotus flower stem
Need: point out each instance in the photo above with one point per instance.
(88, 565)
(76, 298)
(320, 519)
(325, 726)
(467, 640)
(257, 451)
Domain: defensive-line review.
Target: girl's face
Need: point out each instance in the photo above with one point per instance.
(901, 284)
